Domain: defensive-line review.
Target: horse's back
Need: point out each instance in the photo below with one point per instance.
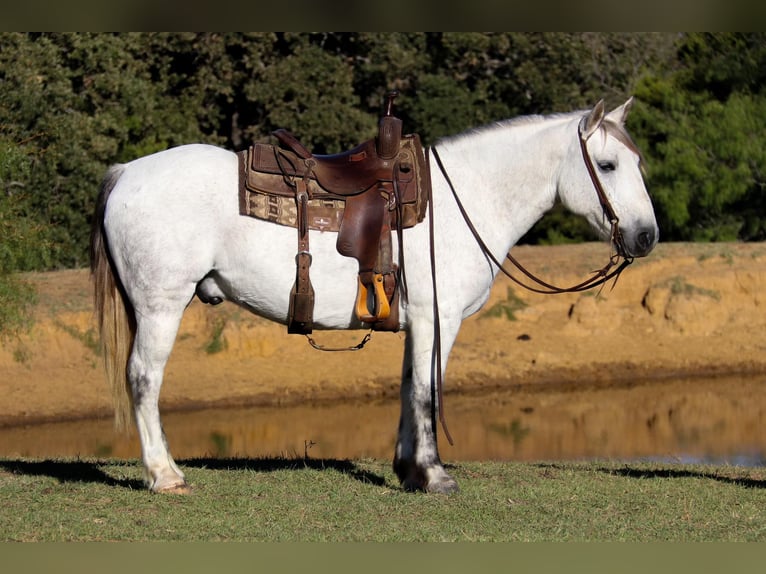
(182, 168)
(184, 179)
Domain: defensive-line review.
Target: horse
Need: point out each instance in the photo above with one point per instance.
(167, 228)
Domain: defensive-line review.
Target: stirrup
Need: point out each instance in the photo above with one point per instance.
(382, 308)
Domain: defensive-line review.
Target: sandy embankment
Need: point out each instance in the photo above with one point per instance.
(687, 309)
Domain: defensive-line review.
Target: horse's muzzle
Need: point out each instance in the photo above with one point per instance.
(639, 243)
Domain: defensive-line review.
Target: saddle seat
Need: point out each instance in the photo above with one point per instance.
(346, 173)
(337, 176)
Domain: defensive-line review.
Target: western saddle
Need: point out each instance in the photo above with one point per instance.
(363, 194)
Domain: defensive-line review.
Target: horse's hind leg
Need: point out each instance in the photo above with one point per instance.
(417, 462)
(155, 335)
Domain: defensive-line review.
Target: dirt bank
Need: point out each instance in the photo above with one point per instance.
(687, 309)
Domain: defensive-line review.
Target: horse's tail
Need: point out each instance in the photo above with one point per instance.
(115, 318)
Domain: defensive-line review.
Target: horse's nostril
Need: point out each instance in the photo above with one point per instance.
(644, 241)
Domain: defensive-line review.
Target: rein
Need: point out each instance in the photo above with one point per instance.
(599, 277)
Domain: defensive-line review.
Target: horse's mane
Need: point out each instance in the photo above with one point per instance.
(498, 125)
(608, 127)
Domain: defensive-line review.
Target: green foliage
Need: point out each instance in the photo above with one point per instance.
(217, 342)
(88, 337)
(16, 301)
(22, 242)
(679, 286)
(318, 103)
(73, 103)
(507, 307)
(701, 126)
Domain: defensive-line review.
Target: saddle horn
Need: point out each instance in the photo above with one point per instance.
(389, 130)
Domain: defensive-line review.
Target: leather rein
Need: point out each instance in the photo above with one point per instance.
(600, 277)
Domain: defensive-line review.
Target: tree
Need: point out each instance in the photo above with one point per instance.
(309, 91)
(81, 101)
(23, 245)
(701, 126)
(85, 101)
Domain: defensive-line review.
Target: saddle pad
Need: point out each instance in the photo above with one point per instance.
(323, 214)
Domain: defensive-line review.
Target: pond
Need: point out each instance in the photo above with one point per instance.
(718, 420)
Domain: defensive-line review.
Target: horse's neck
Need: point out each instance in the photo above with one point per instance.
(505, 175)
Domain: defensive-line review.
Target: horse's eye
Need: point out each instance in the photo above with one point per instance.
(607, 165)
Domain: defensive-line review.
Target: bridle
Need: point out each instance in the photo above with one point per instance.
(600, 277)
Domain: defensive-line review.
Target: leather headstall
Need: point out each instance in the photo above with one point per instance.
(601, 276)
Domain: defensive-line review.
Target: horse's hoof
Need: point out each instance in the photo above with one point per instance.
(444, 486)
(183, 488)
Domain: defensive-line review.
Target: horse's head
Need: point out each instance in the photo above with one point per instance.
(601, 180)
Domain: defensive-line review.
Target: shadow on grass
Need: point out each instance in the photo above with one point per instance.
(630, 472)
(642, 472)
(273, 464)
(70, 471)
(93, 471)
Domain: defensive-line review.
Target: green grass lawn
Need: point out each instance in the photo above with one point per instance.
(330, 500)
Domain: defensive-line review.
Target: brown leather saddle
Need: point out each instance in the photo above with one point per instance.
(364, 194)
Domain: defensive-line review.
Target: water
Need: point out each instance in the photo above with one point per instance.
(711, 420)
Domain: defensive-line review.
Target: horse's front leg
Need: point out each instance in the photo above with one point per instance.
(417, 462)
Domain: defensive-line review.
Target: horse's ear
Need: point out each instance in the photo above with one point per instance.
(592, 121)
(619, 115)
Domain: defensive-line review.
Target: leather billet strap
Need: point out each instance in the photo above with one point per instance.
(302, 295)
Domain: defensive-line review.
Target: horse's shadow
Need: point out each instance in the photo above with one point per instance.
(69, 471)
(347, 467)
(630, 471)
(84, 471)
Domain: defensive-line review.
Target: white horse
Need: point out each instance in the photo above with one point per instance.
(168, 226)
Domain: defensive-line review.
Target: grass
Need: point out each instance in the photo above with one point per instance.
(88, 338)
(217, 342)
(506, 308)
(679, 286)
(338, 500)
